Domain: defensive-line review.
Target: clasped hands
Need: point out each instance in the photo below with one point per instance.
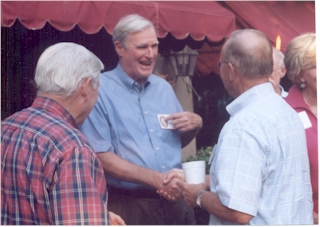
(169, 188)
(174, 187)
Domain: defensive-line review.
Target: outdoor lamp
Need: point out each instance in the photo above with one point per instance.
(184, 62)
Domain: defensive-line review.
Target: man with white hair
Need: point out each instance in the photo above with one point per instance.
(279, 71)
(50, 173)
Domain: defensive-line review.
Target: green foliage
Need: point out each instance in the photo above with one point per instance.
(202, 154)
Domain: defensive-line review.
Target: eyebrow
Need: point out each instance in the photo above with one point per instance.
(144, 44)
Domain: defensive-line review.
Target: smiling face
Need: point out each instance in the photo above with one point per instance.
(138, 57)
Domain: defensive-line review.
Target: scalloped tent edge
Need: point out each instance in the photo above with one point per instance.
(199, 20)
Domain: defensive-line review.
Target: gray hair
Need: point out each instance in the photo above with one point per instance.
(63, 66)
(129, 24)
(251, 52)
(279, 57)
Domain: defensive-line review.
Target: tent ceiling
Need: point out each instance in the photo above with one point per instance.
(288, 19)
(178, 22)
(285, 18)
(199, 19)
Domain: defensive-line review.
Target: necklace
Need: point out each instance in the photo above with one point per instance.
(312, 108)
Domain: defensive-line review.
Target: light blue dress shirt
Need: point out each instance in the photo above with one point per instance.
(124, 121)
(260, 166)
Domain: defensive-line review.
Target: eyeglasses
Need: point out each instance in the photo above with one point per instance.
(220, 63)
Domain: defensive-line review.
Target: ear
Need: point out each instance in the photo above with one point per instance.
(85, 87)
(232, 72)
(283, 71)
(119, 48)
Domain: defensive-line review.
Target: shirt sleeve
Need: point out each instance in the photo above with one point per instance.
(238, 171)
(78, 195)
(96, 128)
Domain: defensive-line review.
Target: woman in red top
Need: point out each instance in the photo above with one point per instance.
(300, 61)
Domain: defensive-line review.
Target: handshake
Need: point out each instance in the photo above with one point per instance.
(169, 188)
(174, 187)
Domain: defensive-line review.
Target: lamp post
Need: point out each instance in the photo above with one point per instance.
(184, 62)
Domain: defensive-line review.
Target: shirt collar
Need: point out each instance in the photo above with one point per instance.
(248, 97)
(284, 93)
(128, 82)
(55, 108)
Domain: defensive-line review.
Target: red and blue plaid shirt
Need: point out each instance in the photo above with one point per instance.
(50, 174)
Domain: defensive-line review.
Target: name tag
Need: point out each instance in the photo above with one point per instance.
(163, 123)
(305, 119)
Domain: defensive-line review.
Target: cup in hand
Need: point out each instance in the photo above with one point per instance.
(195, 172)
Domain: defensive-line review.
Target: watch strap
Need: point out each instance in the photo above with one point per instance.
(199, 198)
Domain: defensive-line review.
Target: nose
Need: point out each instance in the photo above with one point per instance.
(151, 52)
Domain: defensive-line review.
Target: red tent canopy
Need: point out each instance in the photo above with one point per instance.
(288, 19)
(199, 19)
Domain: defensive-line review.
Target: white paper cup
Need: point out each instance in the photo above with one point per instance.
(195, 172)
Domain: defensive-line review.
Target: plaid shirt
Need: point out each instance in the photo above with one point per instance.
(50, 174)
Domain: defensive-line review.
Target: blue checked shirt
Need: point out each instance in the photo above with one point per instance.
(260, 165)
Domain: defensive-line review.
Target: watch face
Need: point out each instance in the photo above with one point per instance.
(198, 202)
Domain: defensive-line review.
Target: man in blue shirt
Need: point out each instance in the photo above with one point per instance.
(136, 151)
(260, 172)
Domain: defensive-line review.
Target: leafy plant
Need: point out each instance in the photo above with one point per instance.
(202, 154)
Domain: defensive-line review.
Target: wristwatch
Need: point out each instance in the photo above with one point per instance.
(199, 200)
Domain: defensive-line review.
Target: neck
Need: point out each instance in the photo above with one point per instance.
(69, 103)
(277, 90)
(247, 84)
(310, 99)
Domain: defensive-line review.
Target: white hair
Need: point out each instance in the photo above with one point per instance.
(63, 66)
(129, 24)
(279, 57)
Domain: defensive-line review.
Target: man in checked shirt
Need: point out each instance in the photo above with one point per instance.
(260, 172)
(50, 175)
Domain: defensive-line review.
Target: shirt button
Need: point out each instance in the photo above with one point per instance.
(145, 112)
(163, 167)
(157, 148)
(151, 130)
(131, 91)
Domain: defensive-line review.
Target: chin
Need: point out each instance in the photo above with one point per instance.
(145, 74)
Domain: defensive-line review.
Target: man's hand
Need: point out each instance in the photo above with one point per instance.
(191, 191)
(185, 121)
(169, 188)
(116, 219)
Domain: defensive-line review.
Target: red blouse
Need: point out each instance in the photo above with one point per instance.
(296, 101)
